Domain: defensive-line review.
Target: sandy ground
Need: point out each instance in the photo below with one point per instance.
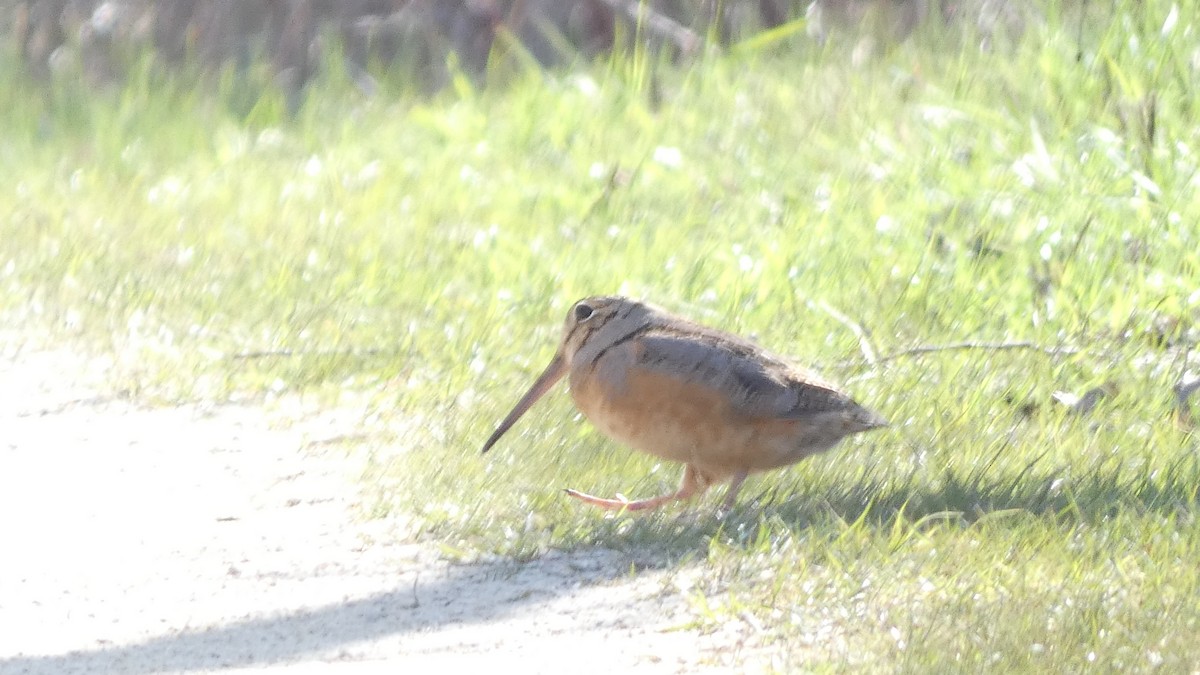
(190, 539)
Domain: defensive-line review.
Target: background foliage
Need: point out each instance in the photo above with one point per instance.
(225, 235)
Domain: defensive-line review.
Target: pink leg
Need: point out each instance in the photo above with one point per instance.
(693, 484)
(734, 486)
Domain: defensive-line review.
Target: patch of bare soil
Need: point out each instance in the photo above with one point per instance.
(140, 539)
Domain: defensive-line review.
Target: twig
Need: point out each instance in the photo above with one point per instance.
(416, 601)
(289, 353)
(1183, 391)
(659, 25)
(986, 346)
(864, 339)
(1082, 405)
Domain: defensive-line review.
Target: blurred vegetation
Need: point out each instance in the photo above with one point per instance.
(423, 42)
(828, 183)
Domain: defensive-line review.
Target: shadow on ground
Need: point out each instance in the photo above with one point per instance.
(1063, 494)
(403, 620)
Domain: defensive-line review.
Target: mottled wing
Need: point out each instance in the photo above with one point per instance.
(755, 382)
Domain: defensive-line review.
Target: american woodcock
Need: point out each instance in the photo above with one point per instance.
(720, 404)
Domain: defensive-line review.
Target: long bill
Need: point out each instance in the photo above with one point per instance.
(552, 374)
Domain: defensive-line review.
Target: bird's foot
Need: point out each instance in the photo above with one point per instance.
(621, 503)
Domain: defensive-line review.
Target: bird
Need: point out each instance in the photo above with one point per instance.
(718, 403)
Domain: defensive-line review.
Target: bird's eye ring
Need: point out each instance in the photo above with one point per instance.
(583, 312)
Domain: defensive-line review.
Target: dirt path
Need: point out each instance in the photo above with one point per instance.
(145, 540)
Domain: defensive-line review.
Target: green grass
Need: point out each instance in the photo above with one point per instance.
(427, 250)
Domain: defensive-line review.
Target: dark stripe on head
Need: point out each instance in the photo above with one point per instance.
(587, 331)
(623, 339)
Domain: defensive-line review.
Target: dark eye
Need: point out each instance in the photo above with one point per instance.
(583, 312)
